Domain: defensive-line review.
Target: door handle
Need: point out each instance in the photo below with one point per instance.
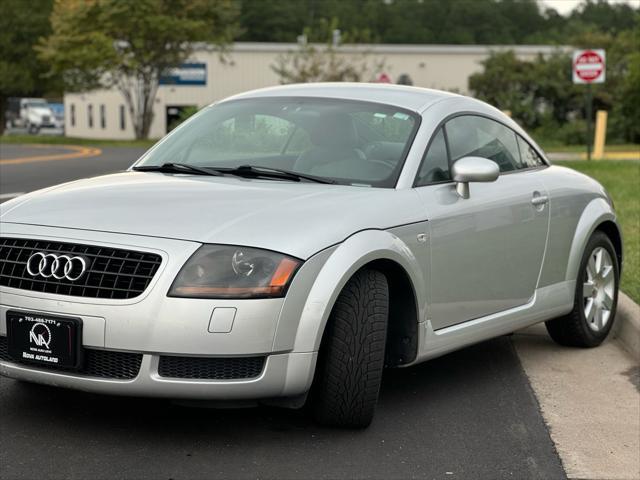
(539, 199)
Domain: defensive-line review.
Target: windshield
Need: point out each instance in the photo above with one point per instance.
(350, 142)
(36, 103)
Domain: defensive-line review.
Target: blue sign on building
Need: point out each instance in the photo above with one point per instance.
(186, 74)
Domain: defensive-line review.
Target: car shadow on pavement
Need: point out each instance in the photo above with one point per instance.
(470, 413)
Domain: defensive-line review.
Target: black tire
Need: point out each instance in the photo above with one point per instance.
(572, 329)
(349, 373)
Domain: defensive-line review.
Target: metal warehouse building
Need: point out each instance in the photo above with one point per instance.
(206, 78)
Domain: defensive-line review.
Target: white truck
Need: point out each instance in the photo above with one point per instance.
(30, 113)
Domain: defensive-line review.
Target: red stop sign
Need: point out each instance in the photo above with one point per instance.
(588, 66)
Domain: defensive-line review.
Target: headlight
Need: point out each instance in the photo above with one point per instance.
(222, 271)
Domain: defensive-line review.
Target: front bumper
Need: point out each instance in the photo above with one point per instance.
(155, 326)
(284, 374)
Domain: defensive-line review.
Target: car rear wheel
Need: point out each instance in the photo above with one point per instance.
(596, 297)
(349, 374)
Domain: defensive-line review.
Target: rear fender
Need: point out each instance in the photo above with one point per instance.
(596, 212)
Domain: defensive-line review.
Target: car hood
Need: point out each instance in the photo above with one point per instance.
(294, 218)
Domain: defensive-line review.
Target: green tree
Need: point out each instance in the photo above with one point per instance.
(507, 83)
(272, 20)
(434, 21)
(128, 44)
(397, 21)
(21, 72)
(604, 16)
(623, 69)
(540, 94)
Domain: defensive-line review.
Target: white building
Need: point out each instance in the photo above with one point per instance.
(103, 114)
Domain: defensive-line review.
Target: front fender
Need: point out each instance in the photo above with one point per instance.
(596, 212)
(303, 320)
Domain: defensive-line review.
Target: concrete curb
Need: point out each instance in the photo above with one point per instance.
(627, 326)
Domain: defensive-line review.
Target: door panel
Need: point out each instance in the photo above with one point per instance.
(487, 250)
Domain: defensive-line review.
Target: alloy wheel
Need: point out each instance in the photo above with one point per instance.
(598, 289)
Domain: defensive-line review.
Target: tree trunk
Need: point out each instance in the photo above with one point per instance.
(140, 95)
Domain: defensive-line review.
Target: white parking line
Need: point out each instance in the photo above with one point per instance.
(9, 196)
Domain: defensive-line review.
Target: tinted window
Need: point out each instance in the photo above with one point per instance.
(529, 156)
(103, 116)
(481, 137)
(435, 164)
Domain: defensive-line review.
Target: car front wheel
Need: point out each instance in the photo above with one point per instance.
(596, 297)
(349, 374)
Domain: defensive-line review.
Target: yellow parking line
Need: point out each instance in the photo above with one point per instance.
(77, 152)
(615, 156)
(622, 155)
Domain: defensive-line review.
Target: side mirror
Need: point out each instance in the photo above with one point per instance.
(473, 169)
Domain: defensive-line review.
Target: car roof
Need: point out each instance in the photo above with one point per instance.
(416, 99)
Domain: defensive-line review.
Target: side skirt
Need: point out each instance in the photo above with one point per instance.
(547, 302)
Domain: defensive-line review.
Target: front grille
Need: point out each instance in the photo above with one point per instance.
(97, 363)
(210, 368)
(110, 273)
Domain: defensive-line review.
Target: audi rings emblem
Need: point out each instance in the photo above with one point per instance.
(47, 265)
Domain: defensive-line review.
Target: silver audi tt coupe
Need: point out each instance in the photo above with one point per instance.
(287, 244)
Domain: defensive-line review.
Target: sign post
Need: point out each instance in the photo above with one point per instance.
(589, 67)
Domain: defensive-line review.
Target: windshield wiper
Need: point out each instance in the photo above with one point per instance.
(177, 168)
(252, 171)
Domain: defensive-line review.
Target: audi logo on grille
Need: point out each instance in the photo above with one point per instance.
(47, 265)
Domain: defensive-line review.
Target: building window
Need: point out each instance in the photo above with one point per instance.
(123, 124)
(73, 114)
(103, 116)
(90, 115)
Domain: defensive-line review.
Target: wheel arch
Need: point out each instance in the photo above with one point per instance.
(611, 230)
(386, 253)
(598, 215)
(402, 327)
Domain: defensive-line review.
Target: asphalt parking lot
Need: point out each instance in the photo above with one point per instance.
(31, 175)
(470, 414)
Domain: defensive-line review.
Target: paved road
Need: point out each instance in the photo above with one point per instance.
(471, 414)
(26, 177)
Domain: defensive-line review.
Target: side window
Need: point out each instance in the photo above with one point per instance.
(435, 163)
(530, 157)
(480, 137)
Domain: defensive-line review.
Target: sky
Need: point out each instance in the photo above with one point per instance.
(564, 7)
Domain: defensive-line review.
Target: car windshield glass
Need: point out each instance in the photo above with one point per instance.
(36, 103)
(347, 142)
